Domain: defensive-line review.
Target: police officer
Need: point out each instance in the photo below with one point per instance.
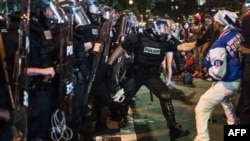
(5, 111)
(42, 57)
(5, 107)
(10, 47)
(80, 122)
(3, 25)
(149, 48)
(100, 94)
(125, 25)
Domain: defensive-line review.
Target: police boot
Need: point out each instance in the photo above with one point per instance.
(102, 128)
(175, 129)
(114, 109)
(124, 113)
(101, 123)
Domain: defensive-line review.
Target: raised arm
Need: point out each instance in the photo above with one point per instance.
(118, 51)
(186, 46)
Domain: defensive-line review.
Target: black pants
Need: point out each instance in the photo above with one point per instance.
(42, 105)
(157, 87)
(5, 131)
(5, 127)
(101, 99)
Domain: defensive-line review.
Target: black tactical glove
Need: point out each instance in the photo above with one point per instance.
(112, 83)
(108, 71)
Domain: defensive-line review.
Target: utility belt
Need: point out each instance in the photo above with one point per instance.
(147, 71)
(37, 83)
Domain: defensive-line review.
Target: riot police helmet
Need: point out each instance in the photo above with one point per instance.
(75, 10)
(131, 21)
(93, 11)
(80, 18)
(107, 13)
(47, 12)
(157, 28)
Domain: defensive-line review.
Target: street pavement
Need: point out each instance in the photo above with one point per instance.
(146, 122)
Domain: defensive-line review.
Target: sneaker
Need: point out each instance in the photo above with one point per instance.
(209, 79)
(196, 73)
(200, 74)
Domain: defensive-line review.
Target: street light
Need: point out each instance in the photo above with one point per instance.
(130, 2)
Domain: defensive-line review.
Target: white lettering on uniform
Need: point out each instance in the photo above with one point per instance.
(69, 88)
(69, 50)
(26, 99)
(152, 50)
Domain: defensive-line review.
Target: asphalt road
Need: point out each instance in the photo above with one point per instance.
(146, 122)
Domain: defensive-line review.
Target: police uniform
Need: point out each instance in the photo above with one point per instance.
(3, 26)
(148, 55)
(80, 68)
(43, 95)
(11, 46)
(5, 127)
(99, 95)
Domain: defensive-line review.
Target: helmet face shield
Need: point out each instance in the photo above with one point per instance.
(107, 12)
(130, 22)
(76, 15)
(57, 14)
(80, 17)
(94, 9)
(159, 27)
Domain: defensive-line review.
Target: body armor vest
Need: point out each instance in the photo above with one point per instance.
(90, 32)
(150, 53)
(44, 56)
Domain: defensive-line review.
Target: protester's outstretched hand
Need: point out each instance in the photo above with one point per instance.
(242, 49)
